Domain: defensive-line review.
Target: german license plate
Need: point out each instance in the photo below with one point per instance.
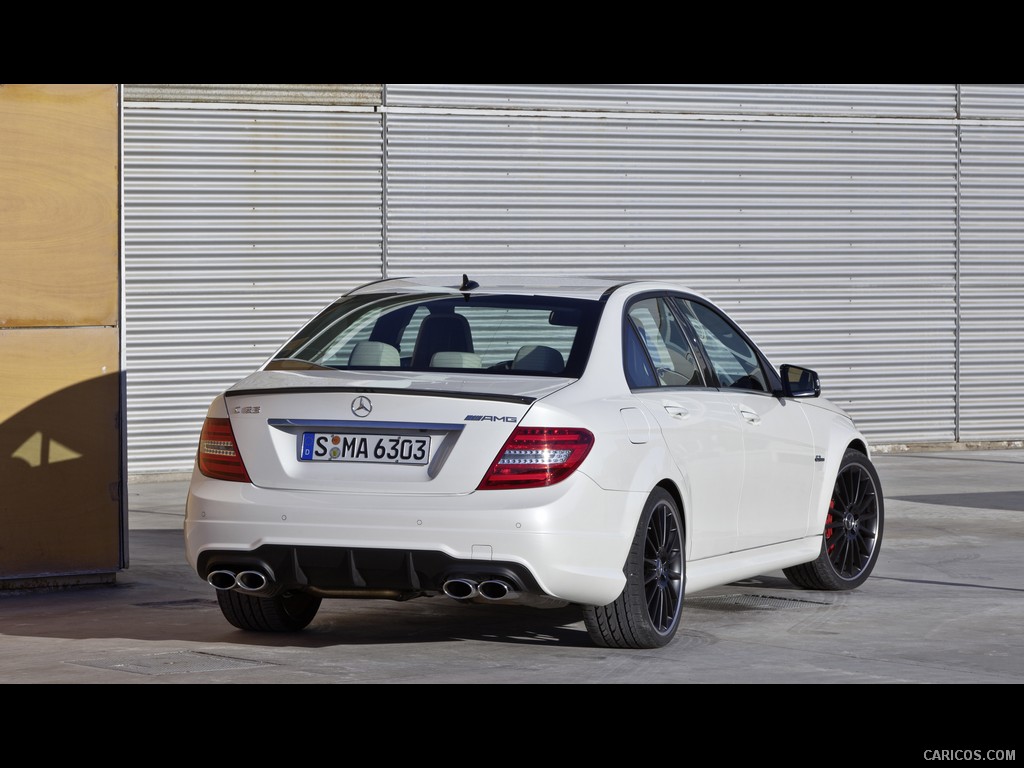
(373, 449)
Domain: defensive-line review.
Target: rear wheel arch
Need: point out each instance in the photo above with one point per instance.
(647, 612)
(670, 487)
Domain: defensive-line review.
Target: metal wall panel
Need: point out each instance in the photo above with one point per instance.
(992, 283)
(992, 101)
(843, 99)
(238, 226)
(833, 243)
(318, 94)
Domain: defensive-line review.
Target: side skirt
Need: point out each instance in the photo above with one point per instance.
(724, 569)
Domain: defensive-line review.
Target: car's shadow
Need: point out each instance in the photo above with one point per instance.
(440, 620)
(159, 598)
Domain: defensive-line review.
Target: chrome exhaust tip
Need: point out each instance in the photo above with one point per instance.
(222, 580)
(251, 581)
(494, 589)
(460, 589)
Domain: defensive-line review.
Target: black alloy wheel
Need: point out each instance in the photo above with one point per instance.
(852, 535)
(646, 614)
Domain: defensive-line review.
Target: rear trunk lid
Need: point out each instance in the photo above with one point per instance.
(377, 432)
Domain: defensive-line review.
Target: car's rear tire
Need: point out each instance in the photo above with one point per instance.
(853, 530)
(646, 614)
(286, 612)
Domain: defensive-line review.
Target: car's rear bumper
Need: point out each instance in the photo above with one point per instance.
(568, 541)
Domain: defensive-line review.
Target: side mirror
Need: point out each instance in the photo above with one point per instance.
(799, 382)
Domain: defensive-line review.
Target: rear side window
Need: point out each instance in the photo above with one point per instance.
(636, 363)
(656, 350)
(516, 335)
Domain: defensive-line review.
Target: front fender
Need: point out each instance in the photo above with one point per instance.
(834, 433)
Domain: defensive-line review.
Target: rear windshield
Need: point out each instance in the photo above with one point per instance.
(536, 336)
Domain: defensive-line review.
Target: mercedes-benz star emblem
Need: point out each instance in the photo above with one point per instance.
(362, 407)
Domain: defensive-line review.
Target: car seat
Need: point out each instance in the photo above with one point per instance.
(374, 354)
(441, 333)
(456, 360)
(539, 358)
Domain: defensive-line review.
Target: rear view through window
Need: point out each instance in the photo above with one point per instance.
(494, 334)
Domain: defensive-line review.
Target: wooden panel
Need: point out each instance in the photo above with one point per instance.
(60, 451)
(59, 205)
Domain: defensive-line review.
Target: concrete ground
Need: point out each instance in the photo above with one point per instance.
(944, 605)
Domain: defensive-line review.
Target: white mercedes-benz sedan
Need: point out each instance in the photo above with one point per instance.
(607, 445)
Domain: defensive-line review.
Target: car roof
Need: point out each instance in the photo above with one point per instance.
(516, 284)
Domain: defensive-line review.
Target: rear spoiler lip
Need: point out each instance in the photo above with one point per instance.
(518, 399)
(416, 426)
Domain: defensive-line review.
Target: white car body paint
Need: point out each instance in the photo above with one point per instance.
(752, 471)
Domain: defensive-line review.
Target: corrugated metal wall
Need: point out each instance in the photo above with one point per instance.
(305, 94)
(238, 225)
(992, 264)
(834, 244)
(826, 218)
(1000, 101)
(843, 99)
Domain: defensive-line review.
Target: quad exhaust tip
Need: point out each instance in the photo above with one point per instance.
(253, 581)
(221, 580)
(467, 589)
(247, 581)
(494, 589)
(460, 589)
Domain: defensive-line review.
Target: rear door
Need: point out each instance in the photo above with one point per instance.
(699, 424)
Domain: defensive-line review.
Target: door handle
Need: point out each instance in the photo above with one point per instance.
(750, 416)
(677, 412)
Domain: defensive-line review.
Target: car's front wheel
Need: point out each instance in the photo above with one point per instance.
(853, 530)
(286, 612)
(646, 614)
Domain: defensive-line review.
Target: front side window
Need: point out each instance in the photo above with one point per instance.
(734, 361)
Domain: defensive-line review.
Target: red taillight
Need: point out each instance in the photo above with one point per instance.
(537, 456)
(218, 452)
